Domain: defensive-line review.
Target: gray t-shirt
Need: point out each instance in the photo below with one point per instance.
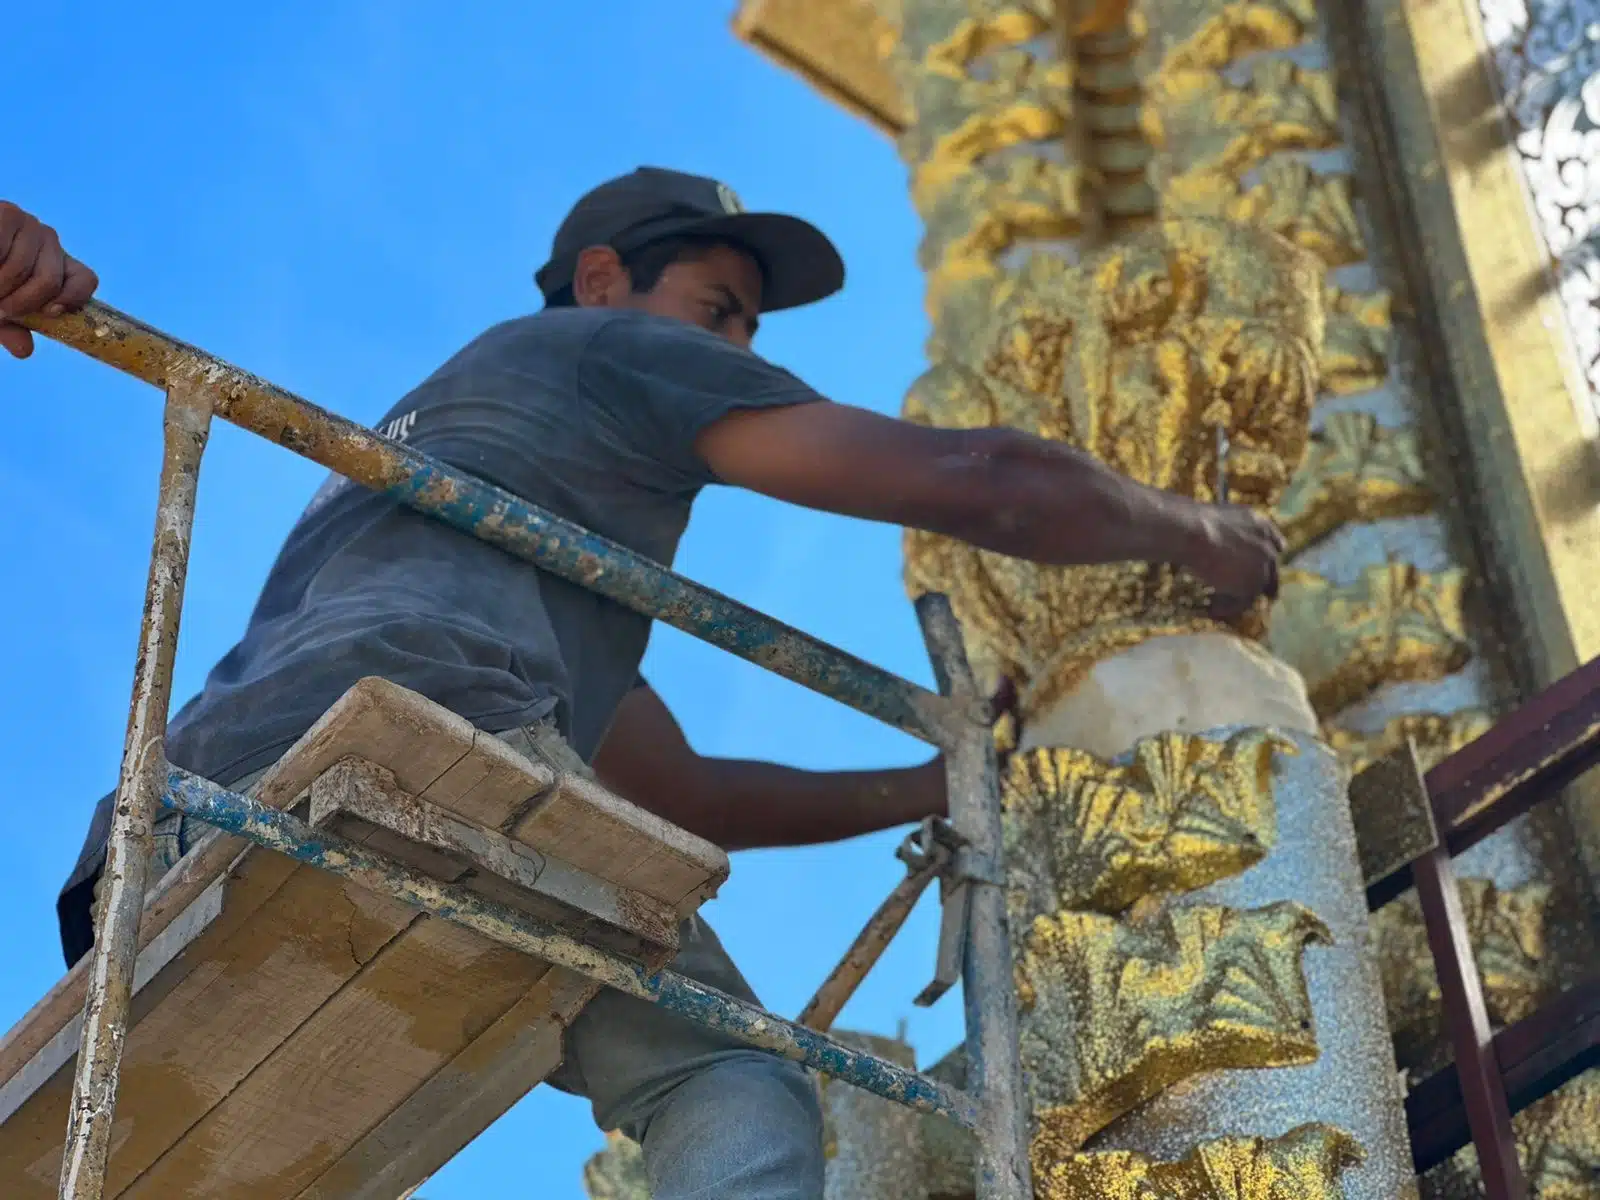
(591, 413)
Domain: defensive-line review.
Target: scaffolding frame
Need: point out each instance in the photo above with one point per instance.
(199, 387)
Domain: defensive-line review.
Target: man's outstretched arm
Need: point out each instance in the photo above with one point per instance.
(742, 805)
(999, 489)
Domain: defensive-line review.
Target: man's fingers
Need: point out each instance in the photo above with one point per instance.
(43, 285)
(80, 284)
(12, 221)
(17, 265)
(16, 340)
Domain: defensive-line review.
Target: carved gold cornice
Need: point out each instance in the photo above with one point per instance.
(1115, 1011)
(1303, 1164)
(837, 46)
(1184, 812)
(1354, 470)
(1396, 624)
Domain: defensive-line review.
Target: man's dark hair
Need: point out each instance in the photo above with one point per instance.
(646, 263)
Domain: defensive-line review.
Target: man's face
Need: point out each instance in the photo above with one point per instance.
(719, 290)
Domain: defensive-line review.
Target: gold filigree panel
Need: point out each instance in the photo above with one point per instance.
(1507, 931)
(1304, 1164)
(1396, 624)
(1354, 470)
(1117, 1010)
(1185, 812)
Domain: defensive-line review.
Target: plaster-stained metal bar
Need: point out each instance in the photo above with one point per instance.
(287, 834)
(187, 425)
(494, 515)
(874, 938)
(994, 1067)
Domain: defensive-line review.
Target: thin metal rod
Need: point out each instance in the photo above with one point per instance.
(186, 427)
(494, 515)
(1467, 1019)
(287, 834)
(874, 938)
(994, 1067)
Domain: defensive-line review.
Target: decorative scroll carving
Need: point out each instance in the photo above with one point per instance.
(1184, 812)
(1207, 35)
(1155, 998)
(1436, 735)
(1507, 930)
(1354, 470)
(1303, 1164)
(1198, 118)
(1355, 347)
(987, 150)
(1395, 625)
(1135, 356)
(1288, 197)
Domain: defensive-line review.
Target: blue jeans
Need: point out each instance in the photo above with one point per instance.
(717, 1120)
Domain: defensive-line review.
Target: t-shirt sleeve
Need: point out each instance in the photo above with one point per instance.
(652, 384)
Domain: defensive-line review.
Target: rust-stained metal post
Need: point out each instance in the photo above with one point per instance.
(187, 425)
(874, 938)
(994, 1066)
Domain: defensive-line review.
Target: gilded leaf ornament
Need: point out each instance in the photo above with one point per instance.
(1153, 998)
(1182, 812)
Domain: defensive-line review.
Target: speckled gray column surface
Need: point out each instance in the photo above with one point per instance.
(1354, 1084)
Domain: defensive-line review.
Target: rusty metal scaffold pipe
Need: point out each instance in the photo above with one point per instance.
(187, 426)
(496, 516)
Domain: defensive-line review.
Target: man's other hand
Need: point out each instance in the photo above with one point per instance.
(1238, 557)
(36, 276)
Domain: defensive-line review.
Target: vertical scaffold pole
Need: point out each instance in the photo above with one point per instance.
(994, 1067)
(186, 428)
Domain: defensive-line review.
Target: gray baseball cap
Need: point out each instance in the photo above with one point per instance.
(650, 203)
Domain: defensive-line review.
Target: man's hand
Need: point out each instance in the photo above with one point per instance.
(1236, 551)
(36, 276)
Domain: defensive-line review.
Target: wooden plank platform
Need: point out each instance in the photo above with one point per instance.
(294, 1035)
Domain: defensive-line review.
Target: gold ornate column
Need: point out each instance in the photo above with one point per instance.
(1449, 425)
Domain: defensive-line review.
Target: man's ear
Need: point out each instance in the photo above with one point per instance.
(600, 280)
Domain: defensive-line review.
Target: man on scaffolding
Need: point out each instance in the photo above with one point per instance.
(630, 391)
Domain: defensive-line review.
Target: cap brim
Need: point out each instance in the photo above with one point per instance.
(802, 266)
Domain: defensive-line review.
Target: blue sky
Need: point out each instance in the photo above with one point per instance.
(337, 196)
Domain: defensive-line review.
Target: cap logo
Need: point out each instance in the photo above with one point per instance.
(729, 200)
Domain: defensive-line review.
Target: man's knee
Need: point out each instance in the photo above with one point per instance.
(748, 1121)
